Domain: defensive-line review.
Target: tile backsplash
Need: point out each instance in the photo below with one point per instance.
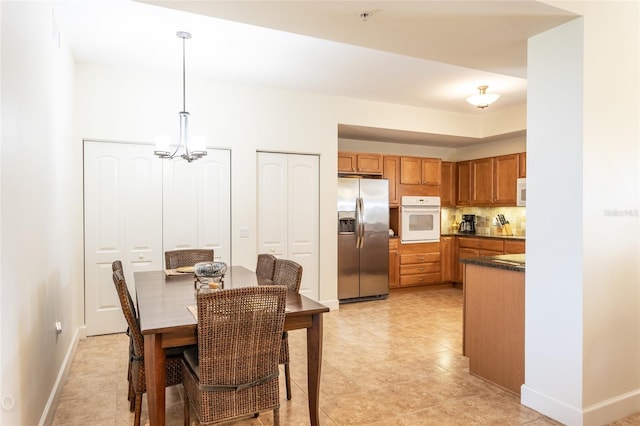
(516, 216)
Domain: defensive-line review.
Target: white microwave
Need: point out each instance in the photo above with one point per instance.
(521, 192)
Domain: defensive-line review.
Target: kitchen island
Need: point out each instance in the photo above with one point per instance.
(493, 335)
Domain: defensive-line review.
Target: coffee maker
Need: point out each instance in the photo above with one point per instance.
(468, 224)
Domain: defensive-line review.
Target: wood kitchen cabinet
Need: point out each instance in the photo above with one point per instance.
(463, 183)
(475, 247)
(419, 264)
(447, 184)
(482, 181)
(514, 246)
(362, 163)
(447, 248)
(394, 262)
(391, 171)
(522, 165)
(488, 181)
(419, 171)
(505, 175)
(493, 332)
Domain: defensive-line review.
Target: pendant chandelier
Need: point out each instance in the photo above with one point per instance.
(183, 150)
(483, 99)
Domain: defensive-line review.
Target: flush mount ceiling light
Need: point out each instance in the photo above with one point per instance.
(189, 153)
(483, 99)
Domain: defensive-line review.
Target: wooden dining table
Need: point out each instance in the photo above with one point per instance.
(166, 322)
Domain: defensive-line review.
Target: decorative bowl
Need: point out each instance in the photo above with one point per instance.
(210, 269)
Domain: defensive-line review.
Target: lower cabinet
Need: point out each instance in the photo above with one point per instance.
(434, 263)
(493, 331)
(447, 267)
(394, 262)
(420, 264)
(474, 247)
(514, 247)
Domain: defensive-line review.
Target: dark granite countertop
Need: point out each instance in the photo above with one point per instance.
(510, 262)
(501, 237)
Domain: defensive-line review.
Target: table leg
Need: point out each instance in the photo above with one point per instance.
(154, 364)
(314, 364)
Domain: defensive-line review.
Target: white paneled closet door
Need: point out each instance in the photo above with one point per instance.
(272, 204)
(288, 212)
(197, 204)
(123, 221)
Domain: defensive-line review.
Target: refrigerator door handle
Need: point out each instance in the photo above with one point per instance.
(357, 222)
(361, 221)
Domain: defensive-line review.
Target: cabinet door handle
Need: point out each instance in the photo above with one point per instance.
(420, 269)
(421, 258)
(420, 279)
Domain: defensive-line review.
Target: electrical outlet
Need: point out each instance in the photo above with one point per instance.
(58, 327)
(244, 232)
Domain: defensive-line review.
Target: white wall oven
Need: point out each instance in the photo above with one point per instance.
(420, 219)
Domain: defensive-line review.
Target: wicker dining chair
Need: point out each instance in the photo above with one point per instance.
(137, 385)
(234, 370)
(266, 266)
(116, 265)
(287, 273)
(188, 257)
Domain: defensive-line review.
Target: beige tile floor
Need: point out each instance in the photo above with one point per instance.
(391, 362)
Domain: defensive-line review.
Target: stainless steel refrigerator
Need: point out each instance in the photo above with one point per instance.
(363, 239)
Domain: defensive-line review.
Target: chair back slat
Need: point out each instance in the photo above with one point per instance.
(288, 273)
(239, 334)
(188, 257)
(266, 266)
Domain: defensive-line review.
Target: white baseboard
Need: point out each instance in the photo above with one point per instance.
(598, 414)
(331, 304)
(612, 409)
(54, 397)
(550, 407)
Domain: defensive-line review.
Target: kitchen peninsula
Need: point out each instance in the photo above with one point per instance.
(493, 335)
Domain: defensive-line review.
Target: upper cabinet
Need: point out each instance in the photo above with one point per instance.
(463, 183)
(359, 163)
(488, 181)
(505, 175)
(447, 184)
(391, 171)
(420, 171)
(482, 181)
(522, 165)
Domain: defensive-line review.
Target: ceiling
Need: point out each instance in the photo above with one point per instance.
(428, 54)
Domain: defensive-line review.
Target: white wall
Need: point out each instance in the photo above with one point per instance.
(390, 148)
(583, 300)
(508, 145)
(41, 229)
(117, 104)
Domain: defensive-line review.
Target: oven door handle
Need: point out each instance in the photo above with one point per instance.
(429, 209)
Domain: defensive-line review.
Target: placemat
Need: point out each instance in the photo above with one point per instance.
(173, 272)
(194, 311)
